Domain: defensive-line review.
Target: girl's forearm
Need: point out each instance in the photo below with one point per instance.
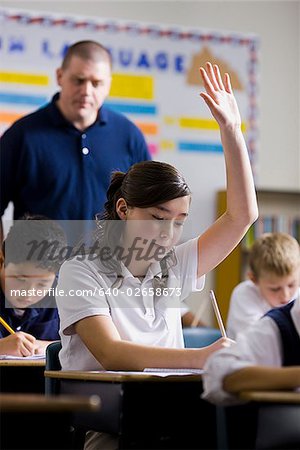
(100, 336)
(125, 355)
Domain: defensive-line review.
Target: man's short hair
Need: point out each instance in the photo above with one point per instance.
(87, 50)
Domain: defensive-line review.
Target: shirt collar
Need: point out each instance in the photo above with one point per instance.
(153, 271)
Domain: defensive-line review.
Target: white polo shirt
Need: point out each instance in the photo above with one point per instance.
(247, 306)
(142, 312)
(260, 345)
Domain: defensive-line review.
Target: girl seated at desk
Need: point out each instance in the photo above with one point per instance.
(126, 315)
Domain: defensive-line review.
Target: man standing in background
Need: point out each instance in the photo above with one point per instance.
(58, 160)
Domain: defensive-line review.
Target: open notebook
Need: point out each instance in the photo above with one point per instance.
(156, 372)
(41, 356)
(173, 371)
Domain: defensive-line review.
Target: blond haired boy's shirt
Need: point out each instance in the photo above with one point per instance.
(259, 345)
(247, 306)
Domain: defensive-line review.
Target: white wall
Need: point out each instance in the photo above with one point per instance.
(277, 23)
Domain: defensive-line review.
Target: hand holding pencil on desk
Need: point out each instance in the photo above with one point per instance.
(17, 344)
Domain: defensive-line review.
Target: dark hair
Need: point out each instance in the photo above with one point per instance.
(87, 50)
(35, 239)
(146, 184)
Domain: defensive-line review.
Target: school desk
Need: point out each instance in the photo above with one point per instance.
(34, 421)
(145, 411)
(290, 397)
(278, 418)
(18, 375)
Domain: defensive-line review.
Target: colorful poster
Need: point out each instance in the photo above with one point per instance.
(156, 83)
(156, 78)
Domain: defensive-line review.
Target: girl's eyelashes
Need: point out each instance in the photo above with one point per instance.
(178, 223)
(157, 217)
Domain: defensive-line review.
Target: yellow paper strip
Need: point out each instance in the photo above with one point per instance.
(204, 124)
(24, 78)
(132, 86)
(167, 144)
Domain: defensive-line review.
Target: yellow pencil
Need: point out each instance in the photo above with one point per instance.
(6, 326)
(217, 312)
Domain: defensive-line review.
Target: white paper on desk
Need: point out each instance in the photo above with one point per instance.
(153, 372)
(168, 372)
(118, 372)
(40, 356)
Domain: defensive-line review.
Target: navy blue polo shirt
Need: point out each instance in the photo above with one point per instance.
(49, 167)
(42, 323)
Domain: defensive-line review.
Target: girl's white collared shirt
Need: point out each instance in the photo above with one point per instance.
(142, 311)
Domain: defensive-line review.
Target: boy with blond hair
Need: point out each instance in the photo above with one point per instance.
(274, 273)
(266, 355)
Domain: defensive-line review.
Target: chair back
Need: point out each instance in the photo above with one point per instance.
(200, 336)
(278, 426)
(52, 363)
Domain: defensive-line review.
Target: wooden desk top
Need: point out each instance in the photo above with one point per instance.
(108, 376)
(22, 362)
(42, 403)
(271, 396)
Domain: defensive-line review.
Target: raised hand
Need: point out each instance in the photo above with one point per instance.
(219, 96)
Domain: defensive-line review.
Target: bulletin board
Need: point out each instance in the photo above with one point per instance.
(156, 83)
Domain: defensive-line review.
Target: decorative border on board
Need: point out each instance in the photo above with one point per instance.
(158, 31)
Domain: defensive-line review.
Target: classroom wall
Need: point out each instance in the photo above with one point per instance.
(277, 23)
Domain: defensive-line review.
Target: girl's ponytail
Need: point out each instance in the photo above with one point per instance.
(114, 192)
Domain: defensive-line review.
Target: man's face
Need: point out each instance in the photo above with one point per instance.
(85, 84)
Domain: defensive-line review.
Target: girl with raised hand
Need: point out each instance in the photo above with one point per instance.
(128, 315)
(121, 303)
